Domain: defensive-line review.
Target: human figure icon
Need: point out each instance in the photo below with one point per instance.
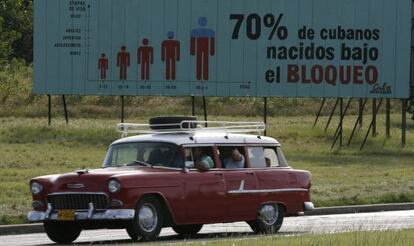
(203, 45)
(103, 66)
(170, 54)
(123, 62)
(145, 59)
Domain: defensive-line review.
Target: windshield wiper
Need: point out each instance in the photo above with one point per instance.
(136, 162)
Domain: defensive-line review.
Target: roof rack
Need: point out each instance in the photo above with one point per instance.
(191, 127)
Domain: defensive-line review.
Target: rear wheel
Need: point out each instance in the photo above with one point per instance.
(62, 232)
(269, 219)
(148, 220)
(187, 230)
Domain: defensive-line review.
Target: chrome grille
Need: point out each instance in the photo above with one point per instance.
(78, 200)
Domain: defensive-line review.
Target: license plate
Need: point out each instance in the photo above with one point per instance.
(66, 215)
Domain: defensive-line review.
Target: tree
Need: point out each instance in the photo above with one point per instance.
(16, 30)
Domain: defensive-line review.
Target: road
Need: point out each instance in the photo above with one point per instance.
(292, 226)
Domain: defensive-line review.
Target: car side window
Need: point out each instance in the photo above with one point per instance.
(256, 157)
(271, 157)
(232, 157)
(199, 156)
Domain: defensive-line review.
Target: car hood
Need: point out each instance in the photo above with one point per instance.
(89, 180)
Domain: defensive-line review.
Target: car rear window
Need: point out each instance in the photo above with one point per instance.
(271, 157)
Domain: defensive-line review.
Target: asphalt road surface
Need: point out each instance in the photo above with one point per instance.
(292, 226)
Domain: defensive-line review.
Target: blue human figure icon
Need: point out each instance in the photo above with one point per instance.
(203, 45)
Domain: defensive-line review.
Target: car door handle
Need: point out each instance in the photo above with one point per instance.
(219, 174)
(250, 174)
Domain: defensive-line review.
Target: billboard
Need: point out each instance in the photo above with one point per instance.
(272, 48)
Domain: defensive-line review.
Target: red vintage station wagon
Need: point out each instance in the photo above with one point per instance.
(175, 174)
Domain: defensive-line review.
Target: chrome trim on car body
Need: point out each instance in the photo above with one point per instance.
(48, 211)
(242, 191)
(110, 214)
(309, 206)
(75, 186)
(90, 210)
(77, 193)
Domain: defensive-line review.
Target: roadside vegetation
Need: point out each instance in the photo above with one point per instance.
(381, 173)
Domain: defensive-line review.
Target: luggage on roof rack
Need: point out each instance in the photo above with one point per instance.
(171, 122)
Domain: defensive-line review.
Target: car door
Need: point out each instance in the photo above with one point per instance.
(204, 194)
(241, 186)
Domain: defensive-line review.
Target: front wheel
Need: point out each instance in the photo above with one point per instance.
(187, 230)
(269, 219)
(148, 220)
(62, 232)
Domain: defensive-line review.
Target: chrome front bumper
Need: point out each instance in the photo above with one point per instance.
(309, 206)
(83, 215)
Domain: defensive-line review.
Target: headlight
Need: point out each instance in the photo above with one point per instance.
(36, 188)
(114, 186)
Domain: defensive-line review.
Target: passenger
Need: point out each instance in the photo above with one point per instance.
(235, 160)
(202, 161)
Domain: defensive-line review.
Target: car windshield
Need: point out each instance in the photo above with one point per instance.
(144, 154)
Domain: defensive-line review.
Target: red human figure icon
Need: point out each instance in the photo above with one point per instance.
(203, 46)
(123, 62)
(103, 66)
(170, 53)
(145, 58)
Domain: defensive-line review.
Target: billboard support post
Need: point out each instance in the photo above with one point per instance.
(339, 129)
(331, 115)
(319, 112)
(361, 108)
(358, 121)
(49, 109)
(122, 109)
(192, 106)
(65, 109)
(374, 117)
(342, 115)
(388, 118)
(265, 115)
(372, 123)
(205, 110)
(404, 122)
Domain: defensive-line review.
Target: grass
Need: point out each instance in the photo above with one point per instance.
(397, 238)
(381, 173)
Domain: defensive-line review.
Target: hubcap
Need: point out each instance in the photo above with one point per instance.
(147, 217)
(269, 214)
